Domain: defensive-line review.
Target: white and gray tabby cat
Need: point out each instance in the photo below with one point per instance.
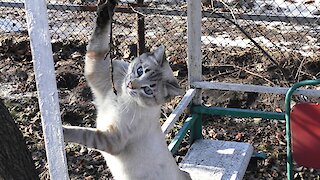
(128, 132)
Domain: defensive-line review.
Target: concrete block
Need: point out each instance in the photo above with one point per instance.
(213, 159)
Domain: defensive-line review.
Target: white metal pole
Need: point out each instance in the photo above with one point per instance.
(40, 42)
(176, 113)
(253, 88)
(194, 45)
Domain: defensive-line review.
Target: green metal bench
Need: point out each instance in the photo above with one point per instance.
(213, 159)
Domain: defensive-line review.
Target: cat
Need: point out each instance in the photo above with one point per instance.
(128, 132)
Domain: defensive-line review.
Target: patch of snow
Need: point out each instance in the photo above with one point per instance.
(229, 151)
(224, 41)
(7, 89)
(10, 25)
(283, 7)
(151, 34)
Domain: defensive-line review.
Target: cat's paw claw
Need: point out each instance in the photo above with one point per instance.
(105, 11)
(106, 6)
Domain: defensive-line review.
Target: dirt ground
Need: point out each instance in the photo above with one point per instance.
(242, 65)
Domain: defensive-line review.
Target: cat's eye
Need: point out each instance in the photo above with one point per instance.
(148, 90)
(139, 71)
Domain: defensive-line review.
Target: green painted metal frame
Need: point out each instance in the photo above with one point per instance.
(287, 116)
(194, 123)
(236, 112)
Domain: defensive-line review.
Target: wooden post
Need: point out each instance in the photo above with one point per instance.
(141, 31)
(194, 58)
(40, 42)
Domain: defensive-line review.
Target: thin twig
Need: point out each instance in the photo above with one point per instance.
(111, 63)
(227, 6)
(299, 68)
(111, 71)
(247, 71)
(308, 74)
(220, 74)
(132, 8)
(112, 79)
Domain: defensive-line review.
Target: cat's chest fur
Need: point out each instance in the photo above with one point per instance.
(145, 139)
(122, 111)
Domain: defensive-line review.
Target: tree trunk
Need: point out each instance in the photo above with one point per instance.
(15, 158)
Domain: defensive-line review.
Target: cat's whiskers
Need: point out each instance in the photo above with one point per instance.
(124, 72)
(140, 115)
(125, 105)
(133, 117)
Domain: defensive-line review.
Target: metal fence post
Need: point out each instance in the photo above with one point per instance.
(141, 31)
(40, 42)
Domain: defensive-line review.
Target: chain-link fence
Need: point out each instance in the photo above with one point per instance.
(280, 30)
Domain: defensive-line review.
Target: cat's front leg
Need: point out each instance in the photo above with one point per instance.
(111, 141)
(97, 60)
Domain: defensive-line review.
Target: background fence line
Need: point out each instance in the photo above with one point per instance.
(288, 29)
(140, 10)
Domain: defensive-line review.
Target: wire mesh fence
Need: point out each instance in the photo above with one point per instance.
(284, 29)
(285, 33)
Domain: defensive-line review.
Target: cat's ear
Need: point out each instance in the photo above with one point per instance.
(173, 89)
(159, 54)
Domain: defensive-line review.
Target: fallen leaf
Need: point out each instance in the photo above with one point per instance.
(257, 120)
(212, 134)
(239, 136)
(176, 73)
(279, 110)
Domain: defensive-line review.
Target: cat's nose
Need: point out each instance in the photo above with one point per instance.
(129, 85)
(132, 85)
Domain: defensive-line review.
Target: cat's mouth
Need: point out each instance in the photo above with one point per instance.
(130, 90)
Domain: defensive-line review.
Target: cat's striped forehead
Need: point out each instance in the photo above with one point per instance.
(155, 75)
(152, 69)
(149, 59)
